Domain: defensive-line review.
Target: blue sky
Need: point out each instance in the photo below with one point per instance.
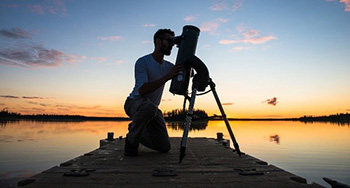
(268, 58)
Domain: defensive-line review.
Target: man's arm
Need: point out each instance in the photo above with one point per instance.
(149, 87)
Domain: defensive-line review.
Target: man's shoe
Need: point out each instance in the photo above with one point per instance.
(130, 150)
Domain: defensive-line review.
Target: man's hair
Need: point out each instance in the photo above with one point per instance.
(161, 32)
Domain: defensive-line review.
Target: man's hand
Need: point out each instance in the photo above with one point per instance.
(152, 86)
(174, 71)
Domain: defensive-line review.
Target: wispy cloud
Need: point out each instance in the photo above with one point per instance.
(109, 38)
(272, 101)
(219, 6)
(248, 36)
(34, 56)
(240, 48)
(41, 7)
(212, 26)
(222, 5)
(209, 27)
(190, 18)
(50, 7)
(148, 25)
(259, 40)
(27, 54)
(25, 97)
(222, 20)
(346, 2)
(18, 97)
(107, 61)
(15, 33)
(99, 59)
(227, 104)
(10, 96)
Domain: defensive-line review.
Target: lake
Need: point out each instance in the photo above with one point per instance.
(310, 150)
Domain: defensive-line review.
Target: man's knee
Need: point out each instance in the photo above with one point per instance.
(149, 108)
(165, 147)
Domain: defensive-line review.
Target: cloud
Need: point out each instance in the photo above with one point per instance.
(222, 20)
(212, 26)
(346, 2)
(240, 48)
(9, 96)
(190, 18)
(28, 55)
(225, 41)
(107, 61)
(237, 5)
(272, 101)
(209, 27)
(259, 40)
(110, 38)
(23, 97)
(148, 25)
(74, 107)
(230, 103)
(15, 33)
(218, 6)
(223, 5)
(99, 59)
(40, 104)
(250, 36)
(49, 7)
(347, 5)
(34, 56)
(251, 33)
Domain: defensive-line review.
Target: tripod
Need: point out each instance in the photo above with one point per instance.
(190, 115)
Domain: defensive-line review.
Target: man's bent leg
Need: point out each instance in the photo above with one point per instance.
(145, 113)
(156, 135)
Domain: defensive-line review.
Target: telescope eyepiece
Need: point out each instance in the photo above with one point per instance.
(177, 40)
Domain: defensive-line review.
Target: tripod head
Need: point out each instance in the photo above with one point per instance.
(187, 43)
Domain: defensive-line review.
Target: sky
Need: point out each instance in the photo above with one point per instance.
(269, 59)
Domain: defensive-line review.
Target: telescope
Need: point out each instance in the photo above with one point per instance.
(187, 43)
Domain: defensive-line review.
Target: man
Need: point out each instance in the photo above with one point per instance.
(151, 73)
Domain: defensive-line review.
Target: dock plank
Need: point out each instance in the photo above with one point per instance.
(207, 164)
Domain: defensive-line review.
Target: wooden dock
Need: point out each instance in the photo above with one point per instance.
(207, 164)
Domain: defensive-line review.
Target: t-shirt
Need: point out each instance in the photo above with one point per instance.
(147, 69)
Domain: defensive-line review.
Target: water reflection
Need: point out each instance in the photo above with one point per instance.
(306, 150)
(3, 123)
(275, 138)
(195, 125)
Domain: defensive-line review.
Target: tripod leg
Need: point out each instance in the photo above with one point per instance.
(235, 144)
(187, 126)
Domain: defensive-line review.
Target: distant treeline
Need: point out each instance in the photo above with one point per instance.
(180, 114)
(4, 114)
(174, 115)
(332, 118)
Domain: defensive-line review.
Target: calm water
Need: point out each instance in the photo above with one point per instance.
(313, 150)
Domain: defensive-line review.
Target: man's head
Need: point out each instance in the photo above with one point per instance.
(163, 40)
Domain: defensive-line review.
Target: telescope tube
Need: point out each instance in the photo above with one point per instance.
(187, 43)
